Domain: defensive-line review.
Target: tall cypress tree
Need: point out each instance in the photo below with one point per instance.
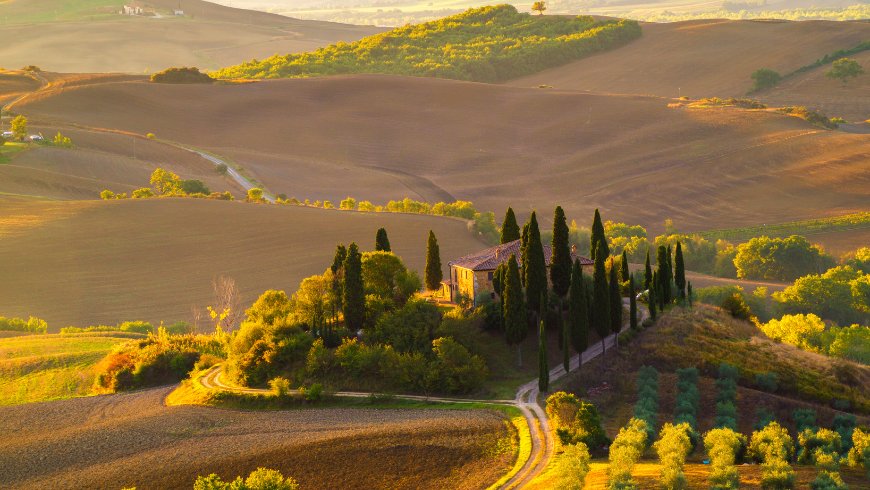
(337, 269)
(524, 245)
(647, 273)
(623, 268)
(601, 299)
(615, 301)
(598, 240)
(560, 266)
(536, 267)
(433, 264)
(662, 274)
(354, 290)
(652, 301)
(543, 362)
(514, 312)
(680, 271)
(632, 304)
(498, 286)
(382, 243)
(691, 295)
(510, 230)
(578, 311)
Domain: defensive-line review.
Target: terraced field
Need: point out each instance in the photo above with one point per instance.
(119, 441)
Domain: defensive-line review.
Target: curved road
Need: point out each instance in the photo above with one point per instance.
(526, 401)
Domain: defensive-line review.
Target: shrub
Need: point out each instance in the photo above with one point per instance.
(142, 193)
(194, 187)
(313, 394)
(62, 141)
(454, 369)
(804, 419)
(673, 447)
(349, 203)
(726, 398)
(859, 455)
(723, 445)
(625, 451)
(687, 402)
(814, 117)
(222, 169)
(573, 467)
(814, 442)
(765, 78)
(260, 479)
(575, 420)
(280, 386)
(735, 305)
(647, 406)
(151, 136)
(773, 446)
(34, 325)
(763, 418)
(767, 382)
(844, 424)
(183, 75)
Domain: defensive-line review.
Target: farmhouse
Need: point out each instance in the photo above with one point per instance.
(473, 273)
(178, 12)
(132, 9)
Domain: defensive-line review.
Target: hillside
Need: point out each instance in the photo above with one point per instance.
(90, 262)
(497, 146)
(706, 58)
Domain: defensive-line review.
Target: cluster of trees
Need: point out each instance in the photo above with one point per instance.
(168, 184)
(489, 44)
(626, 450)
(183, 75)
(842, 69)
(855, 12)
(575, 421)
(145, 328)
(809, 332)
(841, 294)
(814, 117)
(32, 324)
(259, 479)
(813, 226)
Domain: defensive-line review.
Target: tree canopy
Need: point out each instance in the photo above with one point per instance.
(510, 230)
(845, 69)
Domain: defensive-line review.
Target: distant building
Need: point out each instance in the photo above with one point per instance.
(473, 273)
(132, 9)
(178, 12)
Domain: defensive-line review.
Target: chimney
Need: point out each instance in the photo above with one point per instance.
(574, 249)
(496, 252)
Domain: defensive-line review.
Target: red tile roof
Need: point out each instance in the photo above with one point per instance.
(491, 258)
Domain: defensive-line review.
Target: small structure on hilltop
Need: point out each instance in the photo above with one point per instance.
(133, 9)
(178, 12)
(473, 273)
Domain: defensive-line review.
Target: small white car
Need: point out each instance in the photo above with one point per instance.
(8, 135)
(34, 137)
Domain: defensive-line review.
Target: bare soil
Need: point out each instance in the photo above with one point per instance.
(127, 440)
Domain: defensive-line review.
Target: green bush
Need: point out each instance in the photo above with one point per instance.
(844, 424)
(573, 467)
(814, 117)
(804, 419)
(280, 387)
(575, 420)
(763, 418)
(194, 187)
(673, 447)
(765, 78)
(624, 453)
(767, 382)
(183, 75)
(261, 479)
(723, 446)
(647, 406)
(489, 44)
(687, 402)
(726, 397)
(816, 442)
(859, 455)
(34, 325)
(773, 447)
(735, 305)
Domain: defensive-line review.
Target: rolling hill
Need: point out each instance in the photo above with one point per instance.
(90, 262)
(707, 58)
(634, 157)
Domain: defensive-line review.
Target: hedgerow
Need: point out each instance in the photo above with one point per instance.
(625, 451)
(687, 402)
(647, 406)
(726, 397)
(489, 44)
(32, 324)
(183, 75)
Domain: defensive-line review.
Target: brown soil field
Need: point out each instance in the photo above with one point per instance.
(141, 45)
(119, 441)
(634, 157)
(103, 262)
(703, 58)
(14, 85)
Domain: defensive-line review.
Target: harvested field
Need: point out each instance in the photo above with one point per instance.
(117, 441)
(699, 280)
(500, 146)
(145, 46)
(14, 85)
(703, 58)
(89, 262)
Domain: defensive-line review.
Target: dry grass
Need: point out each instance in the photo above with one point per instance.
(88, 262)
(380, 137)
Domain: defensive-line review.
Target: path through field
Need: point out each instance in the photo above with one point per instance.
(244, 183)
(526, 401)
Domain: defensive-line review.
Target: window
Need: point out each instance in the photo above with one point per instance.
(492, 295)
(489, 276)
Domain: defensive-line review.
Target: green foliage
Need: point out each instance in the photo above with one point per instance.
(716, 295)
(32, 324)
(575, 421)
(534, 266)
(680, 271)
(815, 442)
(844, 69)
(221, 168)
(434, 275)
(632, 305)
(354, 306)
(62, 141)
(19, 128)
(814, 117)
(840, 294)
(573, 467)
(687, 402)
(543, 364)
(647, 406)
(260, 479)
(773, 447)
(382, 242)
(844, 425)
(510, 230)
(349, 204)
(194, 187)
(815, 226)
(454, 369)
(598, 239)
(763, 418)
(804, 419)
(561, 262)
(665, 273)
(723, 446)
(736, 307)
(778, 259)
(859, 455)
(601, 296)
(143, 193)
(673, 447)
(615, 301)
(183, 75)
(411, 329)
(726, 397)
(765, 78)
(859, 260)
(578, 309)
(767, 381)
(488, 44)
(624, 453)
(382, 272)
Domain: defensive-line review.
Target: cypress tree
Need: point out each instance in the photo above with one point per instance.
(382, 243)
(601, 299)
(524, 242)
(598, 240)
(660, 294)
(662, 274)
(510, 230)
(578, 311)
(433, 264)
(615, 301)
(652, 302)
(338, 258)
(680, 271)
(514, 314)
(632, 304)
(337, 269)
(566, 348)
(543, 363)
(647, 273)
(498, 285)
(354, 291)
(690, 296)
(560, 266)
(623, 268)
(536, 267)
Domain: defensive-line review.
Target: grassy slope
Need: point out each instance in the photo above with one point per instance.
(38, 368)
(82, 263)
(704, 58)
(499, 146)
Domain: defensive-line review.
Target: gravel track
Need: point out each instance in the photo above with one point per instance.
(133, 439)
